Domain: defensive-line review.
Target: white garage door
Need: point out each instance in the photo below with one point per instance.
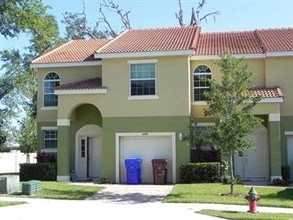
(145, 148)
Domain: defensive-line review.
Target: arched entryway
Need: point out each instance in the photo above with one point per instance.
(86, 141)
(88, 152)
(254, 163)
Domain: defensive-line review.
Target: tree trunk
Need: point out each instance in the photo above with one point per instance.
(28, 158)
(231, 173)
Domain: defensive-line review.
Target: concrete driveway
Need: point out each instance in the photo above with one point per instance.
(132, 194)
(141, 202)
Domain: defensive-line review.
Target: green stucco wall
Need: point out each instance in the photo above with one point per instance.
(142, 124)
(63, 154)
(286, 125)
(275, 148)
(40, 133)
(82, 115)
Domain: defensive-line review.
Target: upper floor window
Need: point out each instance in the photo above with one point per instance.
(202, 76)
(50, 139)
(50, 82)
(142, 79)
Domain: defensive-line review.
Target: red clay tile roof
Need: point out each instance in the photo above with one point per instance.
(233, 42)
(274, 92)
(246, 42)
(174, 39)
(93, 83)
(149, 40)
(275, 40)
(73, 51)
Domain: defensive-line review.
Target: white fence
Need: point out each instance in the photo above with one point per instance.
(9, 162)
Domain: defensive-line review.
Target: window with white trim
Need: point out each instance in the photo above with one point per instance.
(202, 76)
(50, 139)
(142, 79)
(50, 82)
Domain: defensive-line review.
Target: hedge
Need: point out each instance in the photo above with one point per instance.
(38, 171)
(200, 172)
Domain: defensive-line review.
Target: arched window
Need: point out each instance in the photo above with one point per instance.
(50, 82)
(202, 76)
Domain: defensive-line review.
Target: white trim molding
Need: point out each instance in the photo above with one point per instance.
(217, 57)
(288, 133)
(63, 122)
(145, 54)
(73, 64)
(142, 97)
(205, 124)
(275, 177)
(142, 61)
(63, 178)
(81, 91)
(280, 54)
(199, 103)
(49, 150)
(245, 56)
(172, 135)
(272, 100)
(48, 128)
(52, 108)
(274, 117)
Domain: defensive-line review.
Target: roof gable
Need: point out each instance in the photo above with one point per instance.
(72, 51)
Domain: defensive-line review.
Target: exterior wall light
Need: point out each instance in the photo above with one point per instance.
(180, 136)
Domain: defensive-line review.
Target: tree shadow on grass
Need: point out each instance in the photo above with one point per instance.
(286, 194)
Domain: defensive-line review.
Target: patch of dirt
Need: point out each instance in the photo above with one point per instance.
(231, 195)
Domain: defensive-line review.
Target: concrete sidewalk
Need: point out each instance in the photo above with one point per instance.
(118, 202)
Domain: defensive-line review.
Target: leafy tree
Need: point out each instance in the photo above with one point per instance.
(77, 26)
(18, 80)
(231, 102)
(18, 16)
(27, 138)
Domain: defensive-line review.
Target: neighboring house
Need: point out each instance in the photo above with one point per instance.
(100, 102)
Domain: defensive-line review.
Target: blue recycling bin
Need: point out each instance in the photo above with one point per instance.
(133, 170)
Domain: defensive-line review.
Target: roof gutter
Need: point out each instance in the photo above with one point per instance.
(68, 64)
(145, 54)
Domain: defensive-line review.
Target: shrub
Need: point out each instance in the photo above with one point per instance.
(278, 182)
(39, 171)
(199, 155)
(102, 180)
(43, 157)
(286, 173)
(200, 172)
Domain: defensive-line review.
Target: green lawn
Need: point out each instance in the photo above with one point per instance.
(212, 193)
(59, 190)
(5, 203)
(244, 215)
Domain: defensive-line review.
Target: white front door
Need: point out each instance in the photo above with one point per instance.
(95, 157)
(88, 152)
(254, 163)
(90, 157)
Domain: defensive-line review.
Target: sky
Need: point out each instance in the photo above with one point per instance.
(235, 15)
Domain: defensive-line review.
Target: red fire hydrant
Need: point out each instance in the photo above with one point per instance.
(252, 198)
